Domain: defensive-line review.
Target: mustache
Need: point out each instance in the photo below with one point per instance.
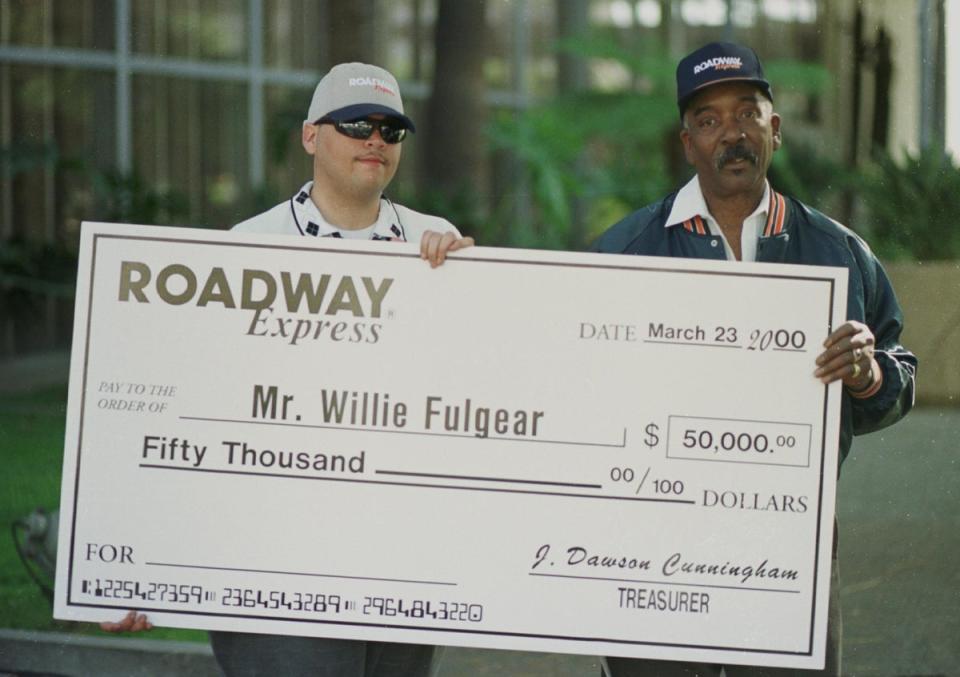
(737, 152)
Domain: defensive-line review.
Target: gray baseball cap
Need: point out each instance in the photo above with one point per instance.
(351, 91)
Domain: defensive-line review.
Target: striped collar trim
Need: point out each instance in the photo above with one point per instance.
(695, 225)
(690, 199)
(310, 222)
(776, 214)
(776, 218)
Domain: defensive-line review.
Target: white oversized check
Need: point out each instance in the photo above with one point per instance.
(547, 451)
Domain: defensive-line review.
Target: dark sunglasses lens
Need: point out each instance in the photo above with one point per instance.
(360, 129)
(392, 132)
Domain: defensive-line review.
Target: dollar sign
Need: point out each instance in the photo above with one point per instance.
(652, 438)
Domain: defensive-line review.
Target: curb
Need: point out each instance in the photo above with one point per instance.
(33, 372)
(60, 654)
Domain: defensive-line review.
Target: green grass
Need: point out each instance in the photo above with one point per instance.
(31, 458)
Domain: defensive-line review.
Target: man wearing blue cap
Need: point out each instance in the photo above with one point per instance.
(353, 129)
(729, 211)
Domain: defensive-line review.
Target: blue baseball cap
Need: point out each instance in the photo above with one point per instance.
(715, 63)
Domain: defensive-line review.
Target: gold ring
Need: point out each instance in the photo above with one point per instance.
(856, 370)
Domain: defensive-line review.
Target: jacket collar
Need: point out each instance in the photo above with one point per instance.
(690, 210)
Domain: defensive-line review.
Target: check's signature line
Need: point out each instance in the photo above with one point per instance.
(295, 573)
(682, 585)
(423, 485)
(616, 445)
(487, 479)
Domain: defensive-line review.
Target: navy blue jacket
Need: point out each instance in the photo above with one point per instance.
(795, 233)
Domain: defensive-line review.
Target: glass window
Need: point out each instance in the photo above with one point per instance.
(214, 29)
(401, 28)
(58, 134)
(56, 141)
(287, 164)
(190, 145)
(292, 34)
(82, 24)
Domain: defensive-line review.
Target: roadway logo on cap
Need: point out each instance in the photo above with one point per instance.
(720, 63)
(378, 84)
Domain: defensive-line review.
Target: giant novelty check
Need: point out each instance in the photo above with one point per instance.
(549, 451)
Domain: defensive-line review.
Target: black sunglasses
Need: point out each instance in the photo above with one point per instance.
(391, 131)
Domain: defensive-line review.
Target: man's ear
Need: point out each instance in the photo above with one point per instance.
(775, 127)
(308, 137)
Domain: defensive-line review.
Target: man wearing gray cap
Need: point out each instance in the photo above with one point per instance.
(353, 130)
(729, 211)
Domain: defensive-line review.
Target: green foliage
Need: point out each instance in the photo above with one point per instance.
(913, 205)
(31, 437)
(462, 208)
(797, 76)
(592, 157)
(117, 196)
(547, 149)
(22, 157)
(584, 148)
(286, 120)
(808, 174)
(128, 198)
(29, 268)
(649, 62)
